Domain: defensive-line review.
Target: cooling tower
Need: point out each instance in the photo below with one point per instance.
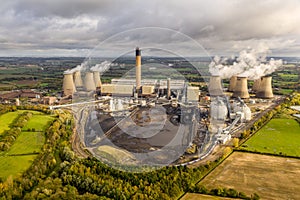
(232, 83)
(256, 85)
(77, 79)
(89, 83)
(241, 88)
(97, 79)
(265, 88)
(68, 85)
(138, 73)
(215, 87)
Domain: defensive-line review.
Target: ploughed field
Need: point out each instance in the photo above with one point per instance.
(271, 177)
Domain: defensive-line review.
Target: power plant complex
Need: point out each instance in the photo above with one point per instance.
(129, 111)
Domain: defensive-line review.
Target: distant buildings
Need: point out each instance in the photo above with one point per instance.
(31, 95)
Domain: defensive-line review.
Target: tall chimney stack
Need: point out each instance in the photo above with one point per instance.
(68, 85)
(89, 83)
(241, 88)
(265, 89)
(256, 85)
(138, 73)
(97, 79)
(77, 79)
(232, 83)
(168, 88)
(214, 86)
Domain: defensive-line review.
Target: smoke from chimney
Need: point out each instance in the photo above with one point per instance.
(82, 67)
(102, 67)
(251, 63)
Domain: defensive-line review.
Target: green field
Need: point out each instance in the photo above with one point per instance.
(23, 151)
(279, 136)
(6, 120)
(38, 121)
(14, 165)
(26, 143)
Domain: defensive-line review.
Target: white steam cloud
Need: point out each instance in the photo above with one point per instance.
(102, 67)
(251, 63)
(80, 67)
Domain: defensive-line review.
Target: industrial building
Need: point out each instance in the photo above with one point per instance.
(127, 103)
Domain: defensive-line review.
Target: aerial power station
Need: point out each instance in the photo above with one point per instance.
(145, 115)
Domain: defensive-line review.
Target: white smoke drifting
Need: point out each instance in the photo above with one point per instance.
(102, 67)
(80, 67)
(250, 63)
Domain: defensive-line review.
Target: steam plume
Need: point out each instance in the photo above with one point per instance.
(102, 67)
(80, 67)
(251, 63)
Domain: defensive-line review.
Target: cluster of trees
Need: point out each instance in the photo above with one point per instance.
(6, 108)
(11, 108)
(89, 178)
(9, 136)
(223, 192)
(58, 173)
(44, 165)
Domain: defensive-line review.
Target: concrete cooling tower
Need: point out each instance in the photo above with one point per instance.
(77, 79)
(89, 83)
(214, 86)
(97, 79)
(232, 83)
(68, 85)
(241, 88)
(256, 85)
(265, 89)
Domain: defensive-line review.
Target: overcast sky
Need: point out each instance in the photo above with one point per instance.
(74, 27)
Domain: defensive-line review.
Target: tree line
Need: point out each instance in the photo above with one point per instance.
(8, 137)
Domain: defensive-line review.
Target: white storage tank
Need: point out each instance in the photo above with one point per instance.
(218, 110)
(247, 113)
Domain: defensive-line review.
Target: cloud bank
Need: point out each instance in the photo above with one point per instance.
(72, 28)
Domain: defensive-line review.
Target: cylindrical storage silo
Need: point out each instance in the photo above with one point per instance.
(218, 110)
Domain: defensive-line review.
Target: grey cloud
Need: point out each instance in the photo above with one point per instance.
(220, 26)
